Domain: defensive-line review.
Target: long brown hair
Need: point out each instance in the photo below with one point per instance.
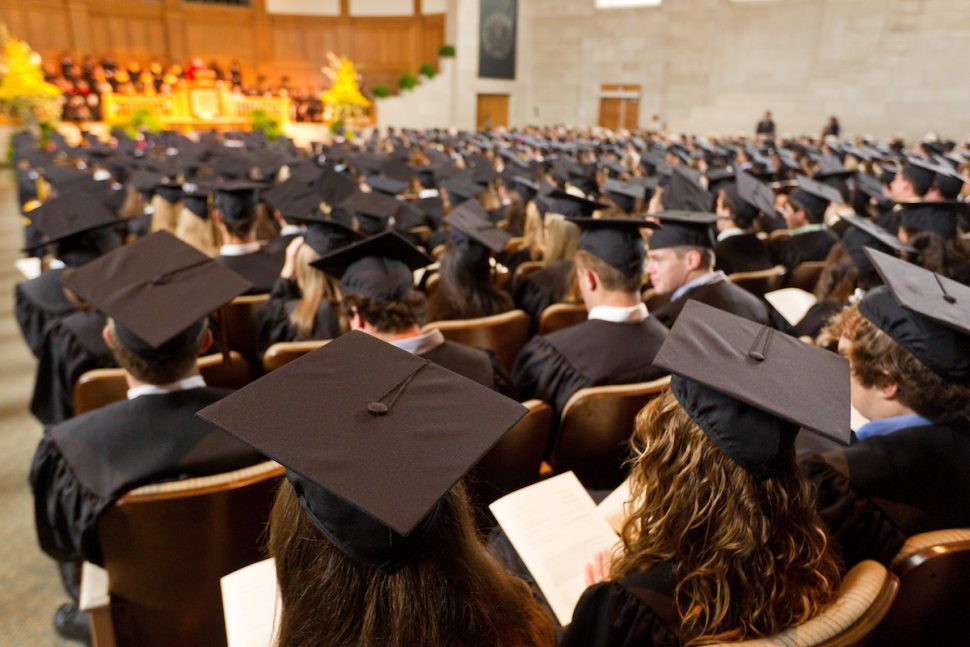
(451, 593)
(315, 287)
(750, 556)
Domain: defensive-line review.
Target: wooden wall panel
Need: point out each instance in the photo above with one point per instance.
(45, 25)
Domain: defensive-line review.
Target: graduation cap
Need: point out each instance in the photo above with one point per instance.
(868, 185)
(483, 173)
(158, 291)
(300, 205)
(232, 166)
(624, 194)
(195, 198)
(326, 236)
(470, 221)
(379, 267)
(399, 171)
(719, 177)
(374, 206)
(684, 228)
(737, 380)
(830, 167)
(432, 207)
(814, 197)
(686, 194)
(386, 185)
(569, 205)
(65, 216)
(526, 187)
(235, 199)
(864, 233)
(615, 241)
(925, 313)
(920, 170)
(462, 187)
(372, 437)
(940, 216)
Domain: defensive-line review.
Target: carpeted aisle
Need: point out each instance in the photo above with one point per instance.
(30, 590)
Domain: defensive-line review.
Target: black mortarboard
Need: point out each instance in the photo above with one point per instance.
(624, 194)
(471, 220)
(830, 167)
(656, 164)
(66, 216)
(744, 386)
(232, 166)
(372, 437)
(569, 205)
(684, 228)
(397, 170)
(386, 185)
(868, 185)
(814, 197)
(717, 178)
(865, 233)
(432, 207)
(235, 199)
(615, 241)
(326, 236)
(461, 187)
(372, 205)
(158, 290)
(685, 194)
(302, 205)
(925, 313)
(756, 193)
(379, 267)
(195, 198)
(938, 216)
(921, 170)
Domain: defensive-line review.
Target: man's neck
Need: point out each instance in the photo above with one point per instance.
(229, 239)
(389, 337)
(614, 300)
(134, 382)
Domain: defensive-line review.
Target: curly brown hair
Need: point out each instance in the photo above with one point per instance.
(877, 360)
(451, 593)
(391, 317)
(750, 555)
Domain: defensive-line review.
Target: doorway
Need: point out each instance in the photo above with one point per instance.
(493, 111)
(619, 106)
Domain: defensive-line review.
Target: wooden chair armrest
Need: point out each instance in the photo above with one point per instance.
(95, 600)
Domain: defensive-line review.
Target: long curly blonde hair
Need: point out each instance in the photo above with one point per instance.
(750, 555)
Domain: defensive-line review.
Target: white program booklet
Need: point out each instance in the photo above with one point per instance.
(251, 604)
(556, 529)
(793, 304)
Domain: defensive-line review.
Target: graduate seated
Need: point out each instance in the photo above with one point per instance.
(908, 345)
(374, 542)
(194, 223)
(618, 341)
(721, 542)
(465, 288)
(809, 239)
(237, 219)
(157, 292)
(738, 248)
(680, 263)
(379, 299)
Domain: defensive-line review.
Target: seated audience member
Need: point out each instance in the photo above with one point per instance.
(304, 303)
(809, 239)
(908, 346)
(291, 214)
(76, 230)
(738, 249)
(618, 341)
(907, 184)
(680, 263)
(379, 299)
(722, 543)
(555, 281)
(194, 224)
(363, 559)
(237, 219)
(465, 288)
(84, 465)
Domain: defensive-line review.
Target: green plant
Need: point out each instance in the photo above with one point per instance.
(427, 69)
(265, 124)
(446, 51)
(381, 91)
(407, 81)
(141, 120)
(46, 130)
(337, 127)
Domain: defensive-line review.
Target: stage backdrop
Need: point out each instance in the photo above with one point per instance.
(496, 53)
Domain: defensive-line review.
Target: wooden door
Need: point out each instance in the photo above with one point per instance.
(493, 111)
(619, 106)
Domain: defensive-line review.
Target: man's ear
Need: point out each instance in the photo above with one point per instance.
(888, 389)
(693, 258)
(106, 336)
(588, 276)
(207, 340)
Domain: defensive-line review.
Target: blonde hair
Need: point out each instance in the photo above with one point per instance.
(164, 216)
(201, 234)
(533, 231)
(315, 287)
(750, 555)
(562, 240)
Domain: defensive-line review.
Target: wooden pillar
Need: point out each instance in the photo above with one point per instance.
(80, 27)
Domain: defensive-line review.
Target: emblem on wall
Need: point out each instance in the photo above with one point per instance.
(496, 55)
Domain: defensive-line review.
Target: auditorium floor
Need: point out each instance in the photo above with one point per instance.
(30, 590)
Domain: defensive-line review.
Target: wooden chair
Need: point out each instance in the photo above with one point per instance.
(561, 315)
(103, 386)
(242, 325)
(514, 244)
(596, 425)
(165, 547)
(524, 269)
(284, 352)
(514, 461)
(866, 594)
(421, 232)
(805, 275)
(933, 605)
(761, 281)
(504, 334)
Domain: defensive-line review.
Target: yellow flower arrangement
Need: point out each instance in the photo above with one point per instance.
(24, 93)
(343, 100)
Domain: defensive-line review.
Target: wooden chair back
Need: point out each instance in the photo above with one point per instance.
(242, 324)
(805, 275)
(524, 269)
(933, 606)
(284, 352)
(504, 334)
(866, 595)
(102, 386)
(514, 461)
(761, 281)
(514, 244)
(561, 315)
(595, 428)
(166, 546)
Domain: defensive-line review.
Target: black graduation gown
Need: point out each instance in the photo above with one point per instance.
(83, 465)
(817, 318)
(71, 346)
(274, 318)
(544, 287)
(476, 364)
(884, 489)
(723, 295)
(592, 353)
(742, 253)
(637, 611)
(39, 302)
(277, 246)
(794, 250)
(260, 268)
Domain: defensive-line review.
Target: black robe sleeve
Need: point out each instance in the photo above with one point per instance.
(608, 615)
(540, 371)
(65, 512)
(274, 318)
(32, 319)
(502, 381)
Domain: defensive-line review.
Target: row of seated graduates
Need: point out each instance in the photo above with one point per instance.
(687, 202)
